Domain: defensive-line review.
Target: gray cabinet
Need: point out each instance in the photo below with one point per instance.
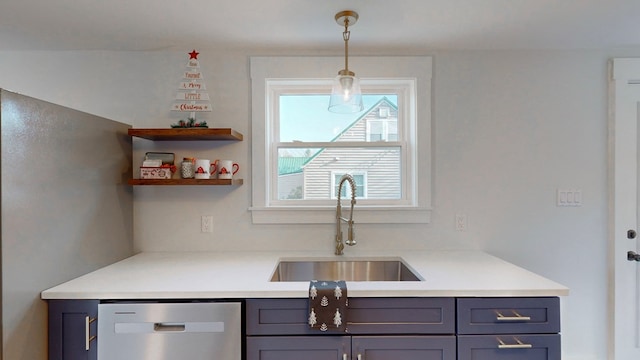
(365, 316)
(509, 347)
(508, 328)
(405, 347)
(297, 347)
(378, 328)
(73, 329)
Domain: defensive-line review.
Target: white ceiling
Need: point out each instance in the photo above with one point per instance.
(309, 24)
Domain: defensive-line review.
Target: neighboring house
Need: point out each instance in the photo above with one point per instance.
(290, 176)
(376, 170)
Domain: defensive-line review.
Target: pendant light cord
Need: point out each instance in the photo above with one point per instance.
(345, 35)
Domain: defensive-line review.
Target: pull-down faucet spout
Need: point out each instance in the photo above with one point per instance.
(339, 219)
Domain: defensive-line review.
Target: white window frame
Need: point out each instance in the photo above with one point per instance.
(403, 88)
(371, 70)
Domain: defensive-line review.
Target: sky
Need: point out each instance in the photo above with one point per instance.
(306, 118)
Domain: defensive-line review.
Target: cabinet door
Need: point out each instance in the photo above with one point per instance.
(318, 347)
(509, 347)
(404, 347)
(72, 329)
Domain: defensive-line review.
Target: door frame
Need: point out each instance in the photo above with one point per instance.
(624, 97)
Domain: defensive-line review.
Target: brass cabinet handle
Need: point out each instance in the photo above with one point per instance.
(518, 345)
(516, 317)
(87, 334)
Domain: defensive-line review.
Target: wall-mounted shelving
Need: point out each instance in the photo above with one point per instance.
(187, 134)
(185, 182)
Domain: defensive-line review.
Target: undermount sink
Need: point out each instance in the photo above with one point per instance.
(348, 270)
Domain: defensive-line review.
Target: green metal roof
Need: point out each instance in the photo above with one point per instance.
(291, 165)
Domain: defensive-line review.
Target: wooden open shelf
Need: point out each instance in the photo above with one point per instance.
(187, 134)
(229, 182)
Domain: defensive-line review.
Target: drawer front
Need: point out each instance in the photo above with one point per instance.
(508, 315)
(509, 347)
(365, 316)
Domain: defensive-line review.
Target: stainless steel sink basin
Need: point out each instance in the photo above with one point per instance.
(349, 270)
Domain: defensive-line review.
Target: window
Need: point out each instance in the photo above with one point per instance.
(382, 129)
(300, 150)
(361, 186)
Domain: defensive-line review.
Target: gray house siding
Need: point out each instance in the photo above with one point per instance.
(380, 166)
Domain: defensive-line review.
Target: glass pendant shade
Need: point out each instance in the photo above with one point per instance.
(346, 96)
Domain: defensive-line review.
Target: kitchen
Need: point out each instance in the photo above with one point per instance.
(510, 127)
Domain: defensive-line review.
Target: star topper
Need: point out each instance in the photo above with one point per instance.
(194, 54)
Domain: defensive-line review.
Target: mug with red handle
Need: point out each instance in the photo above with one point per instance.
(204, 169)
(226, 168)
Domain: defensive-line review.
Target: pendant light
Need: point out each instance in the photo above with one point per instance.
(346, 96)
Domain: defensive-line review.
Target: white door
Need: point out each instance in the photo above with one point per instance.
(624, 273)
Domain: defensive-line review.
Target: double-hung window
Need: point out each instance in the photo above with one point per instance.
(301, 150)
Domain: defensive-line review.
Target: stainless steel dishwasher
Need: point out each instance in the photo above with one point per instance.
(170, 331)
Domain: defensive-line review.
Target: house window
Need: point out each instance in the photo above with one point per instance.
(361, 186)
(300, 150)
(382, 129)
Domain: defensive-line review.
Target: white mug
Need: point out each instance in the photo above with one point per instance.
(204, 169)
(226, 168)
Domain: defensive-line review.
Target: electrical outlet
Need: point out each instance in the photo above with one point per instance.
(461, 222)
(206, 224)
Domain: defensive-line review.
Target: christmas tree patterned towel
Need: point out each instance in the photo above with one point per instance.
(328, 305)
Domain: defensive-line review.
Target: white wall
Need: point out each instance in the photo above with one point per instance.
(510, 128)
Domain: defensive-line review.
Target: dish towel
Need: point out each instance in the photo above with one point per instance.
(328, 305)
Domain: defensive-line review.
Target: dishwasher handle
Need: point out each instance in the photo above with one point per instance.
(168, 327)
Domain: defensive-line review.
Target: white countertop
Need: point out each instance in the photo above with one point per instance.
(181, 275)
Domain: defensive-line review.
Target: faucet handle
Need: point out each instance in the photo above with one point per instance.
(351, 236)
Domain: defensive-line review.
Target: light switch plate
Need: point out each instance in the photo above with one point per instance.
(569, 197)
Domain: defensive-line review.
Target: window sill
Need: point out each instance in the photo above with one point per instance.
(327, 215)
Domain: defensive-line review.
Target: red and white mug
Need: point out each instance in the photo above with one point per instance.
(226, 168)
(204, 169)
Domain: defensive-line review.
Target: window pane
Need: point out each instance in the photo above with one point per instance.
(306, 118)
(312, 173)
(392, 130)
(290, 172)
(376, 130)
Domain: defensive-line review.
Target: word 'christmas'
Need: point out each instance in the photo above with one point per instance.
(193, 107)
